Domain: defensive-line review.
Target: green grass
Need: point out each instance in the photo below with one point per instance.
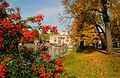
(91, 65)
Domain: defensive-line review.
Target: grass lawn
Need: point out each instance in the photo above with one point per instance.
(91, 65)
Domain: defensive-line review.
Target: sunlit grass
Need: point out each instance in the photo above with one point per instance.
(91, 65)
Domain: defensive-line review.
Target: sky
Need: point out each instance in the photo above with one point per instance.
(49, 8)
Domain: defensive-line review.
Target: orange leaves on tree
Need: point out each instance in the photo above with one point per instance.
(45, 75)
(17, 16)
(49, 27)
(27, 34)
(4, 5)
(36, 19)
(75, 32)
(39, 18)
(3, 70)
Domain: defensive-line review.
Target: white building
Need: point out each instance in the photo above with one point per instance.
(60, 39)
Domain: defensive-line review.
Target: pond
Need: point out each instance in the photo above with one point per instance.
(52, 50)
(58, 51)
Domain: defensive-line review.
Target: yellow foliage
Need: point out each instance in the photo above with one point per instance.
(88, 33)
(90, 11)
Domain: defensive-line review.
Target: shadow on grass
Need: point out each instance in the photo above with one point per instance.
(102, 51)
(116, 54)
(89, 50)
(86, 51)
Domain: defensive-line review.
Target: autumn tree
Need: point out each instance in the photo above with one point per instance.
(99, 11)
(75, 32)
(79, 10)
(115, 15)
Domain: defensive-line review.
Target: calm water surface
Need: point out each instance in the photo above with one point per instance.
(58, 51)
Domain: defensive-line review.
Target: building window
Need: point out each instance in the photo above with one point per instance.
(67, 40)
(59, 37)
(54, 40)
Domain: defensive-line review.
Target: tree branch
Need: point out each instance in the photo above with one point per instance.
(96, 10)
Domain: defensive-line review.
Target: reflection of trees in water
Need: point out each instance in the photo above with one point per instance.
(53, 51)
(56, 51)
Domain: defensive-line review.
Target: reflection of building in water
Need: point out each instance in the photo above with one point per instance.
(60, 39)
(58, 51)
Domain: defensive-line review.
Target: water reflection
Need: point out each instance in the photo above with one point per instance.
(58, 51)
(52, 50)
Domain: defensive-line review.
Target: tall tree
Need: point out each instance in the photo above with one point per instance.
(107, 25)
(99, 11)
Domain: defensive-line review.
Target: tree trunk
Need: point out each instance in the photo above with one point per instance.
(107, 26)
(108, 38)
(81, 45)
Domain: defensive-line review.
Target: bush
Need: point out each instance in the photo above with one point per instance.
(23, 63)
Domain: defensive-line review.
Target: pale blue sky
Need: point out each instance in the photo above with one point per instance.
(49, 8)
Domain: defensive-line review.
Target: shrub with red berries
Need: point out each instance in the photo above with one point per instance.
(20, 62)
